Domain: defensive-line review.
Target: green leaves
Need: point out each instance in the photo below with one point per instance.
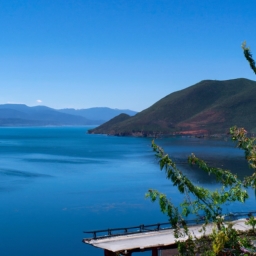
(249, 147)
(199, 199)
(166, 206)
(251, 222)
(248, 56)
(225, 177)
(152, 194)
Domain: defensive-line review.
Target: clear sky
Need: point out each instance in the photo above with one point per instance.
(124, 54)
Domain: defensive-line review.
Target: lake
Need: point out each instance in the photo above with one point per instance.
(56, 182)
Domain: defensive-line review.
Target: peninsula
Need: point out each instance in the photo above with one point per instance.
(206, 108)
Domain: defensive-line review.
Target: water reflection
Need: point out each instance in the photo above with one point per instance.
(216, 153)
(23, 174)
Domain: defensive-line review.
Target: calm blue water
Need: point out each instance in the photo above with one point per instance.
(57, 182)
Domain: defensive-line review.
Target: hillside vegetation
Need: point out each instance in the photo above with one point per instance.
(208, 107)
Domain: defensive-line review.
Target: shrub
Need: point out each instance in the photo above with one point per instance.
(198, 199)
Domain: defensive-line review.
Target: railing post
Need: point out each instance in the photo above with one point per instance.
(154, 252)
(109, 253)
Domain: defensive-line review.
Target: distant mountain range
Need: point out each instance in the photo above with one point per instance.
(99, 114)
(208, 107)
(22, 115)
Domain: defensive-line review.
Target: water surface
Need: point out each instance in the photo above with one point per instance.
(56, 182)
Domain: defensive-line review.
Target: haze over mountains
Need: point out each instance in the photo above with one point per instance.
(22, 115)
(208, 107)
(99, 114)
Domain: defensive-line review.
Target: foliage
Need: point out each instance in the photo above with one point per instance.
(219, 240)
(249, 147)
(248, 56)
(197, 199)
(200, 200)
(251, 222)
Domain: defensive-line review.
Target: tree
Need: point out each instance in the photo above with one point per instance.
(198, 200)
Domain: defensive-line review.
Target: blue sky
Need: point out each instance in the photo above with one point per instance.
(119, 53)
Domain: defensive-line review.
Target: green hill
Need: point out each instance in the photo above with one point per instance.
(207, 107)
